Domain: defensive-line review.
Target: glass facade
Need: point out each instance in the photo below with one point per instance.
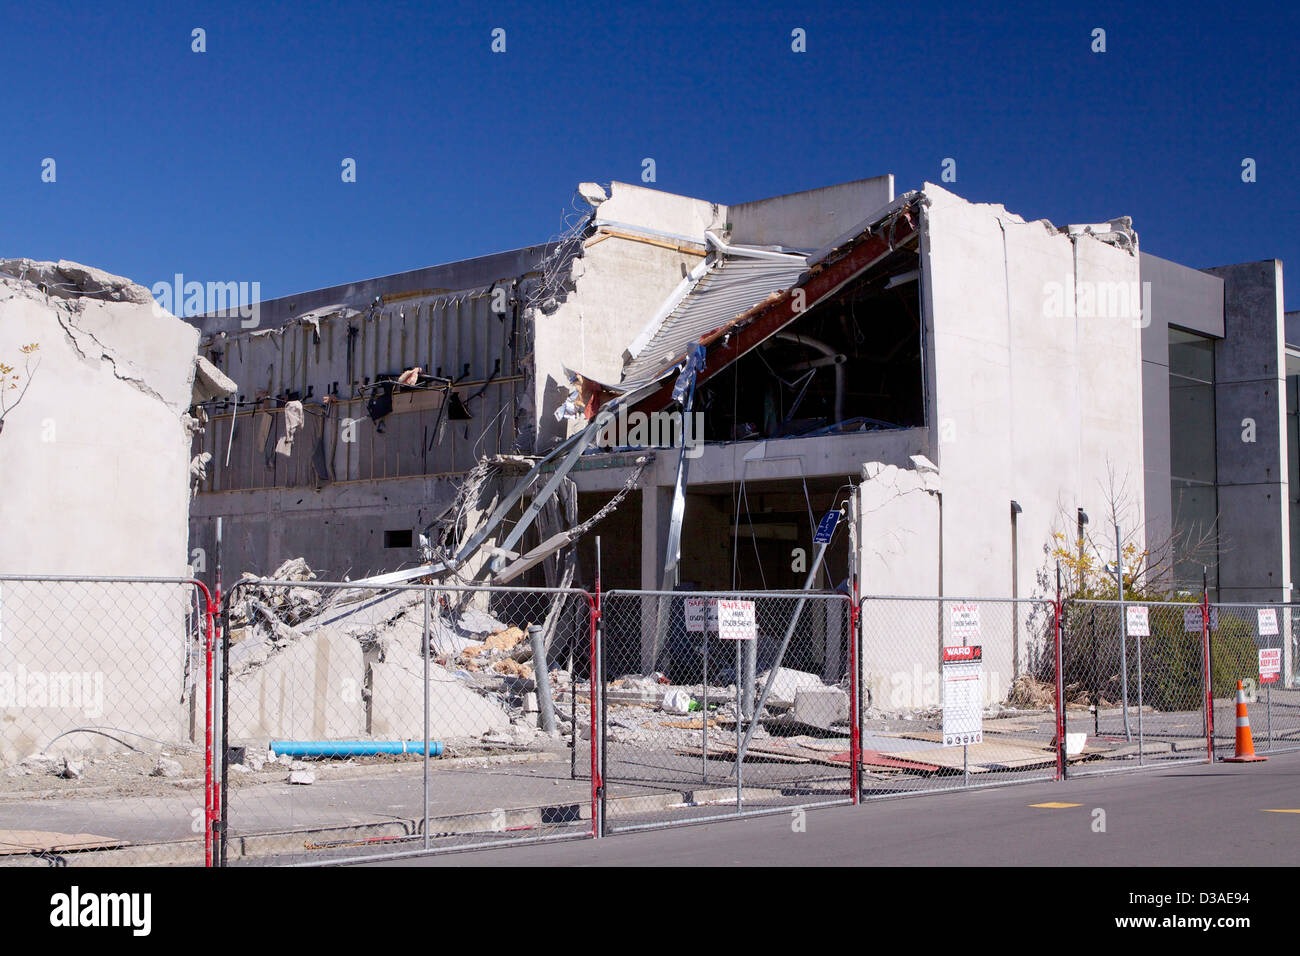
(1192, 467)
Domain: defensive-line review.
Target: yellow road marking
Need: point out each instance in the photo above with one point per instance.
(1054, 806)
(1282, 811)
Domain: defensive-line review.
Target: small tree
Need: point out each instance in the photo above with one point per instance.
(9, 379)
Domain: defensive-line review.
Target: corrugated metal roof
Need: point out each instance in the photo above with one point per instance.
(735, 285)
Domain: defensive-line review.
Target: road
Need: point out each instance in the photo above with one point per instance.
(1197, 815)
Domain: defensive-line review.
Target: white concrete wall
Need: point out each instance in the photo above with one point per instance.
(809, 219)
(1029, 405)
(94, 470)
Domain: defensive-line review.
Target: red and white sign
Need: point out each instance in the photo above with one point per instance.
(1267, 621)
(736, 620)
(1138, 623)
(965, 621)
(1270, 665)
(963, 696)
(701, 614)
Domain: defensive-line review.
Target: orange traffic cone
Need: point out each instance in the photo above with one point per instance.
(1245, 742)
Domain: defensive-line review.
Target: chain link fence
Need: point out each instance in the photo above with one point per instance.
(1256, 644)
(367, 722)
(957, 693)
(718, 704)
(1134, 676)
(105, 726)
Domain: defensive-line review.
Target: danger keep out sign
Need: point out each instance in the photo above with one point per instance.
(963, 696)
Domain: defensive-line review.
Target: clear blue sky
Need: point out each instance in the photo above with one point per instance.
(225, 165)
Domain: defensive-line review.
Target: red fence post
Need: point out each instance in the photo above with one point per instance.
(855, 740)
(1060, 690)
(1207, 676)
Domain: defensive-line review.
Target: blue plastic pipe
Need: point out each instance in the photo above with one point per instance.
(352, 748)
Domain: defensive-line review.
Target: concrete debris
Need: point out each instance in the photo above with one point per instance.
(210, 382)
(72, 769)
(41, 763)
(71, 280)
(787, 685)
(303, 778)
(166, 767)
(676, 702)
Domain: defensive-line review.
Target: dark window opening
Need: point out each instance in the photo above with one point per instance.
(397, 539)
(852, 363)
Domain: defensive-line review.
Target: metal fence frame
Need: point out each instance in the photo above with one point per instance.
(208, 609)
(1053, 768)
(852, 657)
(429, 591)
(1288, 625)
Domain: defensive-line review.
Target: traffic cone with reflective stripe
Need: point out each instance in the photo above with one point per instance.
(1245, 742)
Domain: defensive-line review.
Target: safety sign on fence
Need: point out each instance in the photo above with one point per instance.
(963, 696)
(1138, 623)
(701, 614)
(965, 621)
(1270, 665)
(1267, 621)
(736, 620)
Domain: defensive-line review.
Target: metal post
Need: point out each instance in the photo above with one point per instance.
(427, 636)
(1139, 650)
(603, 678)
(224, 639)
(780, 653)
(1058, 614)
(749, 653)
(704, 722)
(740, 751)
(1205, 659)
(542, 678)
(1123, 634)
(573, 717)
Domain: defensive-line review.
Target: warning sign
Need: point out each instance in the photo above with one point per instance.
(701, 614)
(1270, 665)
(1138, 622)
(966, 621)
(736, 620)
(963, 696)
(1267, 621)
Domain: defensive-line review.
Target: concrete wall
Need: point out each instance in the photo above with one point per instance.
(810, 219)
(1034, 401)
(619, 285)
(95, 482)
(1250, 371)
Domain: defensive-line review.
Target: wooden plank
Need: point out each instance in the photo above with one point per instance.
(14, 842)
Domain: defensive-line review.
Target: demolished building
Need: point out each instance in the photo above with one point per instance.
(959, 376)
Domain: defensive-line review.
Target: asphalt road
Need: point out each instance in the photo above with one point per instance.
(1188, 816)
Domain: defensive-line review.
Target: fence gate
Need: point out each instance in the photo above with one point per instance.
(367, 722)
(105, 754)
(1135, 683)
(694, 680)
(1256, 644)
(957, 692)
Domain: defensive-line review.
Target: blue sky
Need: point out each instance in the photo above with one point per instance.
(225, 165)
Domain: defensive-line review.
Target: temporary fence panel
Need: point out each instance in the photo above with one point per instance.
(957, 692)
(1255, 644)
(105, 749)
(695, 679)
(1134, 678)
(374, 721)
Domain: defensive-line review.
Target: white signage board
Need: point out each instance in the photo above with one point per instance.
(1138, 622)
(1270, 665)
(701, 614)
(965, 621)
(1267, 621)
(963, 696)
(736, 620)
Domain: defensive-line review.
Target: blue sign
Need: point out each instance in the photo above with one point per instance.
(826, 528)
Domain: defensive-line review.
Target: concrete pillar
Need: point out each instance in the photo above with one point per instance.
(656, 509)
(1250, 401)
